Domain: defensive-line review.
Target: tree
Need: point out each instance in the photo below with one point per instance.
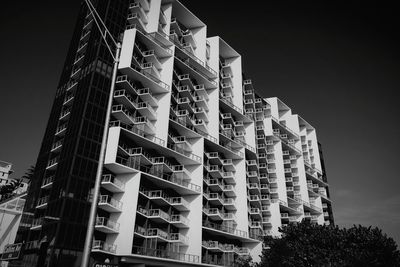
(29, 173)
(7, 190)
(244, 261)
(306, 244)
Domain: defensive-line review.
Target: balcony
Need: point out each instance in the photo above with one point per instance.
(144, 124)
(270, 151)
(68, 100)
(106, 225)
(126, 99)
(253, 198)
(180, 203)
(109, 204)
(164, 179)
(79, 59)
(213, 170)
(217, 247)
(265, 208)
(264, 176)
(228, 165)
(263, 166)
(213, 213)
(161, 198)
(266, 220)
(112, 184)
(287, 170)
(229, 190)
(71, 85)
(181, 141)
(147, 74)
(255, 224)
(251, 174)
(52, 164)
(165, 254)
(213, 198)
(200, 113)
(155, 215)
(179, 171)
(81, 49)
(189, 38)
(253, 186)
(61, 130)
(47, 182)
(265, 199)
(229, 204)
(145, 94)
(284, 215)
(227, 174)
(273, 180)
(137, 16)
(157, 233)
(203, 74)
(42, 202)
(101, 246)
(84, 36)
(200, 124)
(254, 211)
(264, 188)
(179, 238)
(251, 163)
(219, 229)
(37, 224)
(151, 69)
(214, 184)
(163, 162)
(56, 147)
(179, 221)
(75, 73)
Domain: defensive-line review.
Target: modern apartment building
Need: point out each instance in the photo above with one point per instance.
(198, 166)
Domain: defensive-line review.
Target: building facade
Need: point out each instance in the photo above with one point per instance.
(198, 166)
(5, 172)
(11, 207)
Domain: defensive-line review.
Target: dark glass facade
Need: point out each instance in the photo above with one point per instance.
(328, 205)
(58, 201)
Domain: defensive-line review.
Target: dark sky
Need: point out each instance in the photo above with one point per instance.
(335, 63)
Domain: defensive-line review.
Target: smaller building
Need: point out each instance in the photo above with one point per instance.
(11, 207)
(11, 214)
(5, 172)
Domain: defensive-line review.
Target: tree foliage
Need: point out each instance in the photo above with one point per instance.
(7, 190)
(307, 244)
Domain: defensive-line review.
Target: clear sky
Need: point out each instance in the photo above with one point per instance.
(335, 63)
